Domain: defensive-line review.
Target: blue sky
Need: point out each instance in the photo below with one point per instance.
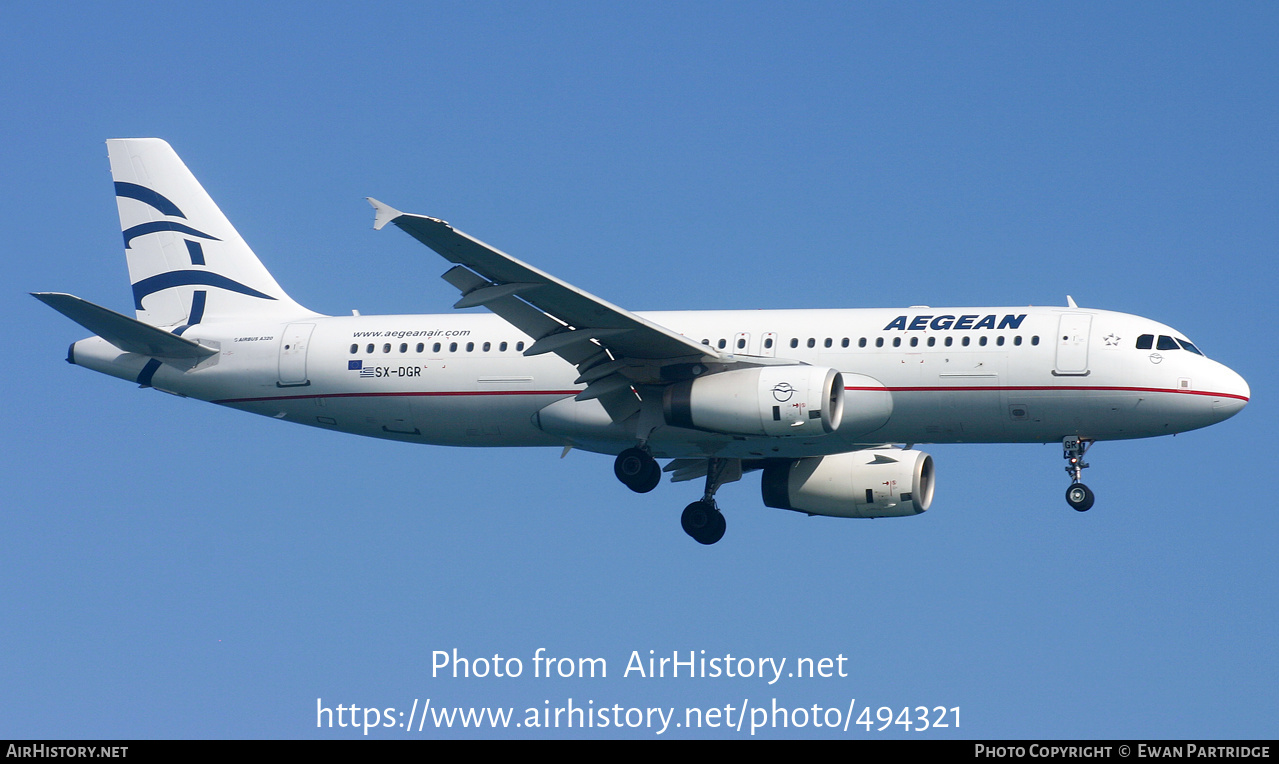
(173, 569)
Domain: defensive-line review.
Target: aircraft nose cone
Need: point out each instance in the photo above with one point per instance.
(1233, 394)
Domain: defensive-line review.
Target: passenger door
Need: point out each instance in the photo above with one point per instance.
(293, 347)
(1072, 345)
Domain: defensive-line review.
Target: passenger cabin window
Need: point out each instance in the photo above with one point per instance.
(879, 342)
(386, 348)
(794, 342)
(420, 347)
(844, 342)
(741, 344)
(404, 347)
(370, 348)
(768, 343)
(354, 349)
(502, 347)
(435, 348)
(861, 343)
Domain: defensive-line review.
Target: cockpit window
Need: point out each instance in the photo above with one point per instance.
(1145, 342)
(1185, 344)
(1167, 343)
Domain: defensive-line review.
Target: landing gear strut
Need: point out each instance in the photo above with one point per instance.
(637, 470)
(702, 519)
(1078, 496)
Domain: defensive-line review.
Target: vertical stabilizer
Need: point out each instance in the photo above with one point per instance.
(187, 264)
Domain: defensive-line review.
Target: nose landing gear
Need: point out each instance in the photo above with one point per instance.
(1079, 496)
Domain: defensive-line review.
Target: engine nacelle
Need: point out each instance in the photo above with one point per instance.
(778, 401)
(875, 482)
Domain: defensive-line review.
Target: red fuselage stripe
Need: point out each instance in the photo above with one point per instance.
(943, 389)
(395, 395)
(1038, 388)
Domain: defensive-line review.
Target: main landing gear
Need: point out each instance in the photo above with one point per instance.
(640, 472)
(637, 470)
(1078, 496)
(702, 519)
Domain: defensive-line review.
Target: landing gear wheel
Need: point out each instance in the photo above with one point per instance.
(649, 480)
(637, 470)
(704, 522)
(1080, 497)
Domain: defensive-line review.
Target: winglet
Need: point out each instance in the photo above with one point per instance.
(384, 213)
(1070, 302)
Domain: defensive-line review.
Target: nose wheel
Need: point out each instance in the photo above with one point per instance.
(1079, 496)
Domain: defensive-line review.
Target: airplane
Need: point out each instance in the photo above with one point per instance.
(827, 404)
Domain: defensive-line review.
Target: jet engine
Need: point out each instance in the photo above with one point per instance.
(777, 401)
(874, 482)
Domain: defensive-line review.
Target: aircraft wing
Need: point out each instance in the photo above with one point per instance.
(583, 316)
(613, 349)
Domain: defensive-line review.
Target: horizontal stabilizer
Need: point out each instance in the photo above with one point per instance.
(128, 334)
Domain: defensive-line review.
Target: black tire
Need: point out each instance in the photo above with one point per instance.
(703, 522)
(632, 467)
(716, 531)
(1080, 497)
(649, 480)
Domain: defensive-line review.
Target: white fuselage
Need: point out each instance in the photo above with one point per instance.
(816, 400)
(956, 375)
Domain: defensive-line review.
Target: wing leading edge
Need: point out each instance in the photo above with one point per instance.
(613, 349)
(584, 314)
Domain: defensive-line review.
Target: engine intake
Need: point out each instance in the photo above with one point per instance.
(777, 401)
(875, 482)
